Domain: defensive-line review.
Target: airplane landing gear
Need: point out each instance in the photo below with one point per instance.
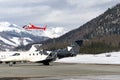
(46, 63)
(11, 63)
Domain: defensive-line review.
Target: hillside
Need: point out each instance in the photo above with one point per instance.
(103, 30)
(12, 36)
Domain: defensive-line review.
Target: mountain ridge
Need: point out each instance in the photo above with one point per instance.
(104, 28)
(12, 36)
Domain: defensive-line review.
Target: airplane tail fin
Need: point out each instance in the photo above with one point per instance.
(79, 42)
(76, 47)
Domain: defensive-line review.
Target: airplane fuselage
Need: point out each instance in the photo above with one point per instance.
(29, 56)
(23, 56)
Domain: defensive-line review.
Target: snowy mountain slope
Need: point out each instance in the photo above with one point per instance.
(12, 36)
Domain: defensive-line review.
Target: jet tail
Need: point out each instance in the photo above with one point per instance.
(79, 42)
(76, 47)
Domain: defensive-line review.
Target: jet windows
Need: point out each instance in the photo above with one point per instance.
(16, 54)
(33, 54)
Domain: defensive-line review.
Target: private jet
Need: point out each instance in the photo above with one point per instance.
(39, 56)
(33, 55)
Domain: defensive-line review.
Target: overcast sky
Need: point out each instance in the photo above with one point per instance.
(68, 14)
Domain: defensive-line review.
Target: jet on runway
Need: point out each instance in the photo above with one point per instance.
(39, 56)
(32, 55)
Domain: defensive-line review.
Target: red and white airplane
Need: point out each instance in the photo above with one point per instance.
(33, 27)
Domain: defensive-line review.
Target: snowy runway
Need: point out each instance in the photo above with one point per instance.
(105, 58)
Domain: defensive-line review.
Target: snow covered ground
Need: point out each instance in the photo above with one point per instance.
(104, 58)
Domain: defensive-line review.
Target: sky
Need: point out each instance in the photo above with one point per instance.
(56, 14)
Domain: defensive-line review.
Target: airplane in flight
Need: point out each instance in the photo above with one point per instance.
(39, 56)
(33, 27)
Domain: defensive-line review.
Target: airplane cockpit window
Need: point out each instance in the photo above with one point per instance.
(16, 54)
(43, 52)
